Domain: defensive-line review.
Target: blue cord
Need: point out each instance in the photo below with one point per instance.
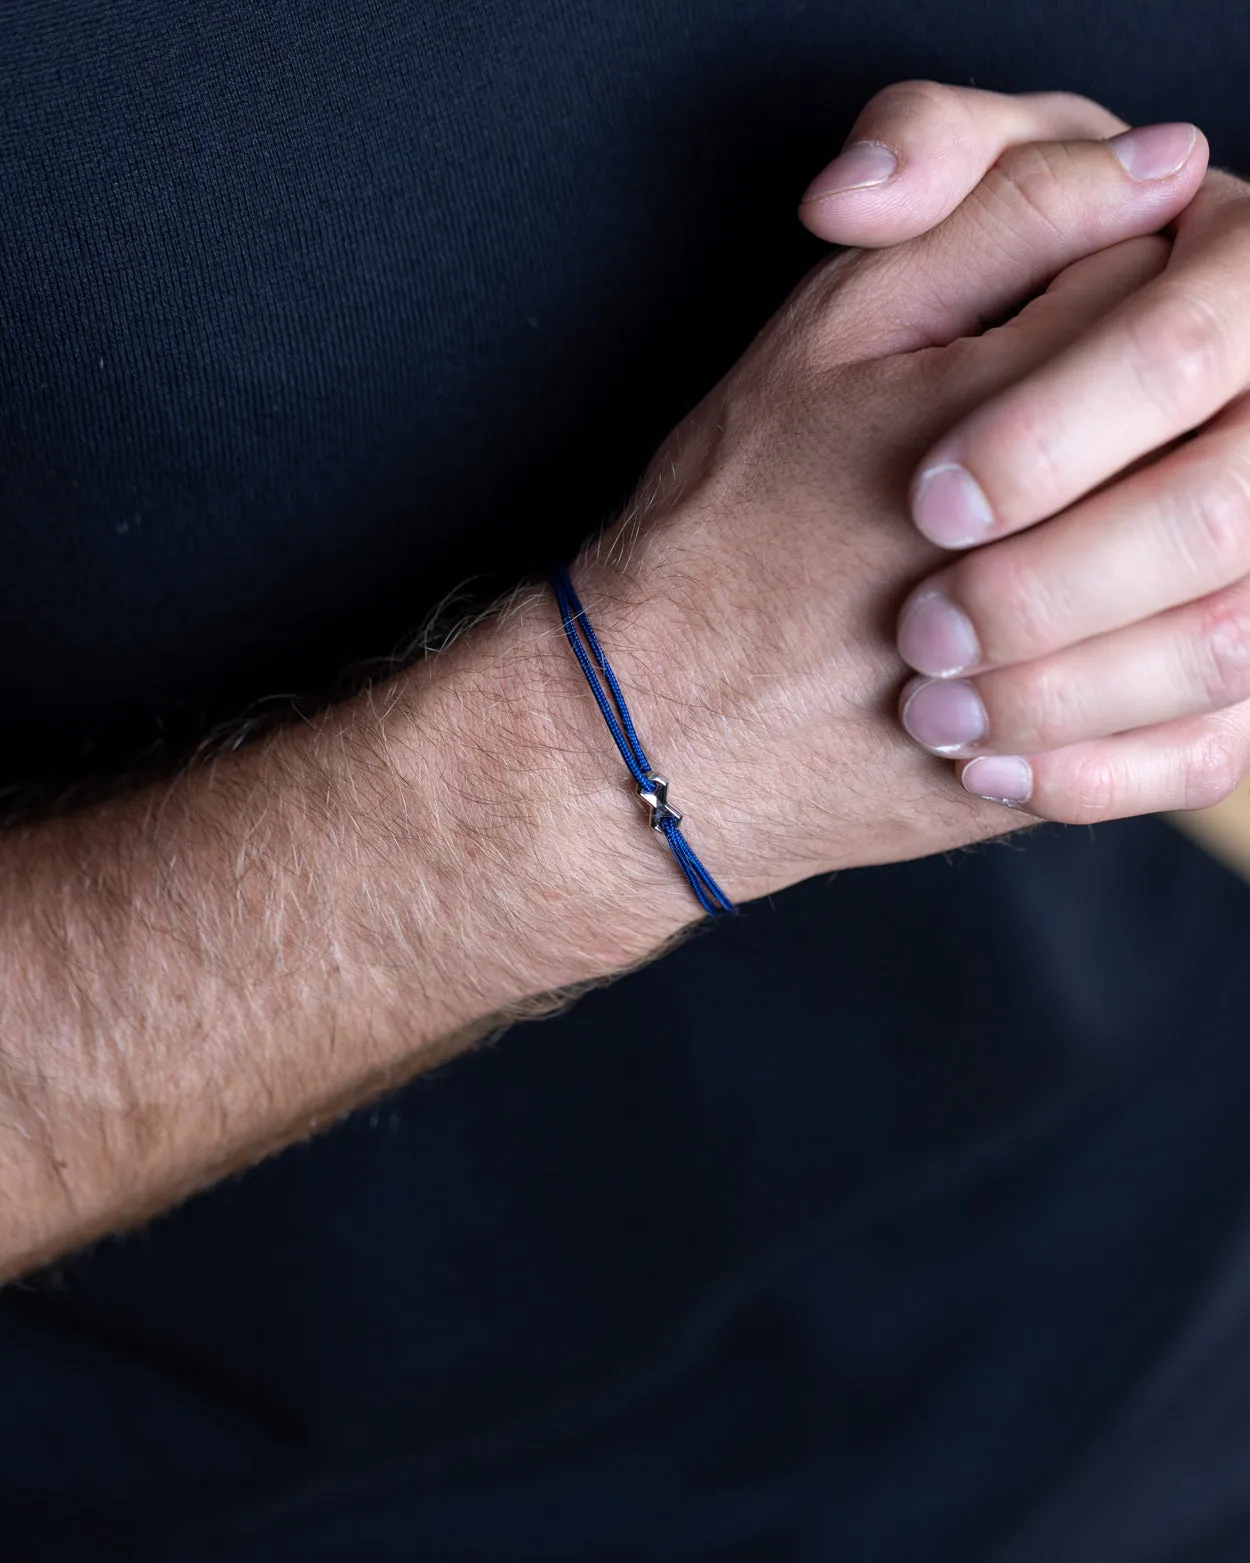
(652, 788)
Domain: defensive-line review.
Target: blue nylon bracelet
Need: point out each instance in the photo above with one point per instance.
(652, 787)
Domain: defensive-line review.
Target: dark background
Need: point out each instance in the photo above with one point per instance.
(902, 1220)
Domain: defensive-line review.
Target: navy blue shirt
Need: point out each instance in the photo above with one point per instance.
(902, 1220)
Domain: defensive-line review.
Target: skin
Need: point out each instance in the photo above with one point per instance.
(1105, 655)
(200, 973)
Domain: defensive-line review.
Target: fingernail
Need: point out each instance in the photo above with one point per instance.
(860, 166)
(1154, 151)
(949, 507)
(945, 715)
(936, 637)
(999, 778)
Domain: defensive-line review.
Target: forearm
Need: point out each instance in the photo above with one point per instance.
(197, 974)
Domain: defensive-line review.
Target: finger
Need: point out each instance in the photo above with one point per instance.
(1038, 210)
(919, 147)
(1185, 662)
(1190, 764)
(1172, 533)
(1081, 296)
(1159, 367)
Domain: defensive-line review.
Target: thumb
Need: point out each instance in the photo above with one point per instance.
(1040, 208)
(918, 148)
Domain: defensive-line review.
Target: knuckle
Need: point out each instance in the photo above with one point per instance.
(1045, 703)
(1028, 449)
(1178, 352)
(1215, 519)
(1225, 649)
(1096, 790)
(1213, 769)
(905, 101)
(1037, 177)
(1012, 605)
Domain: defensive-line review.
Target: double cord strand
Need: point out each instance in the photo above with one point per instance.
(652, 788)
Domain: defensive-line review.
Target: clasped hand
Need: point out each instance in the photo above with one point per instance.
(1032, 352)
(1088, 655)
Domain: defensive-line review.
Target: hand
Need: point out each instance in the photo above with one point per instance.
(1109, 650)
(1106, 656)
(749, 596)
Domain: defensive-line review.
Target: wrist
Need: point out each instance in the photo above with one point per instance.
(679, 678)
(540, 853)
